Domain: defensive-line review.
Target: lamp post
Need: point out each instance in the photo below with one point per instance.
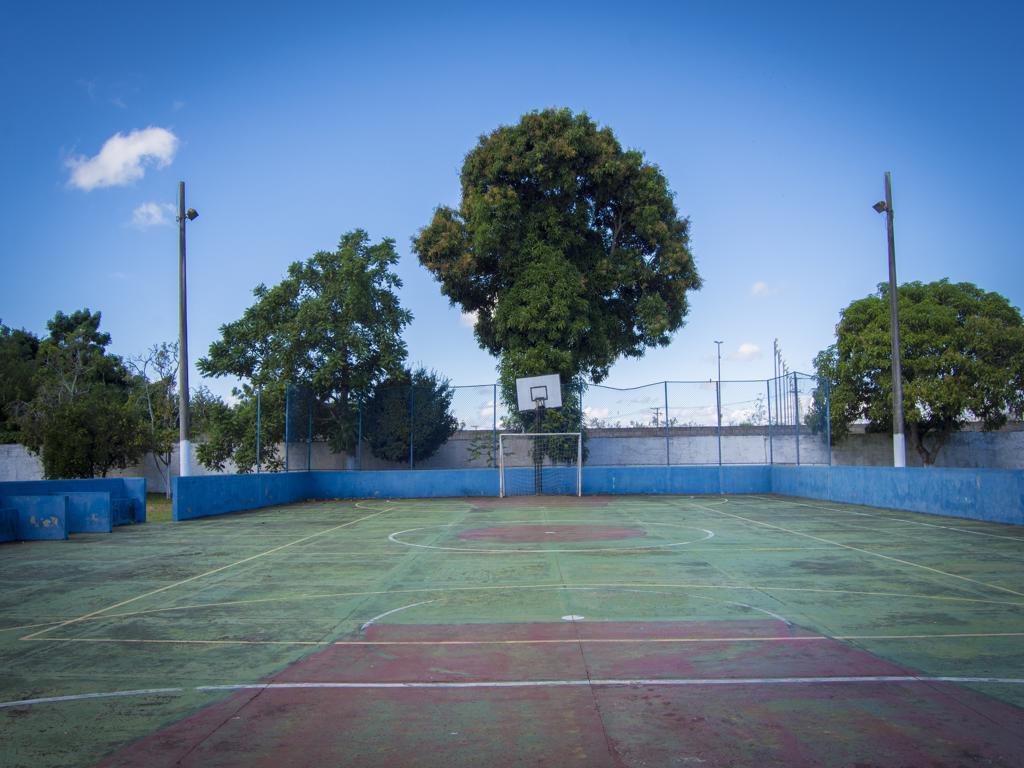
(184, 445)
(899, 443)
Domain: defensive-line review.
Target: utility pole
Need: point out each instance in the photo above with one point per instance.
(899, 443)
(184, 445)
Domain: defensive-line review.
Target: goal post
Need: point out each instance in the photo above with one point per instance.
(532, 464)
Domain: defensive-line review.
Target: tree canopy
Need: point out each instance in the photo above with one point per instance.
(962, 355)
(393, 415)
(80, 418)
(19, 350)
(333, 324)
(568, 250)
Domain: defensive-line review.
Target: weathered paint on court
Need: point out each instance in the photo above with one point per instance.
(264, 596)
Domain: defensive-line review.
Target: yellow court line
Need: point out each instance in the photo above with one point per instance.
(545, 641)
(1019, 539)
(869, 552)
(516, 587)
(203, 575)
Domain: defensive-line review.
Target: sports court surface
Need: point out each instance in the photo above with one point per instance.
(601, 631)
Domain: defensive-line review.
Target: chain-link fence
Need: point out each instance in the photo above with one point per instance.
(427, 425)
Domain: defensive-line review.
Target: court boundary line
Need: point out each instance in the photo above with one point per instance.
(868, 552)
(543, 641)
(566, 683)
(211, 572)
(782, 500)
(517, 587)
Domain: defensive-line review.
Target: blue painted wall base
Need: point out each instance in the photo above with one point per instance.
(131, 489)
(40, 518)
(983, 494)
(8, 524)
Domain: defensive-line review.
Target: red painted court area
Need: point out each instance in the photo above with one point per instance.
(729, 693)
(521, 534)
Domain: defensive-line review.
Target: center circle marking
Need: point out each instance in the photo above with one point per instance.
(397, 536)
(536, 533)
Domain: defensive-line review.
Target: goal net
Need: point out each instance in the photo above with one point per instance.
(541, 463)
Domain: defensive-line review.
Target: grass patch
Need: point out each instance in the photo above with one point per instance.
(158, 508)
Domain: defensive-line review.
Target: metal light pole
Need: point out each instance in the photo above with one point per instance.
(899, 443)
(718, 401)
(184, 445)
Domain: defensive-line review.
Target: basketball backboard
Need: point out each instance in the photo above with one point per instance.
(546, 388)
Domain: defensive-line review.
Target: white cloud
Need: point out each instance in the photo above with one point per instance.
(122, 159)
(746, 352)
(149, 215)
(468, 319)
(760, 288)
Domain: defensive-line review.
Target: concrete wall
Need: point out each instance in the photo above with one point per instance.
(133, 489)
(982, 494)
(995, 495)
(219, 494)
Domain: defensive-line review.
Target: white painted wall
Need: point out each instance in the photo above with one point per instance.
(1003, 449)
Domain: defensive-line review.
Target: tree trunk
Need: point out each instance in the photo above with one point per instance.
(917, 436)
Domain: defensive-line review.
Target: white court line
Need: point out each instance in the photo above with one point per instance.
(597, 682)
(900, 519)
(611, 549)
(202, 575)
(393, 610)
(868, 552)
(83, 696)
(668, 682)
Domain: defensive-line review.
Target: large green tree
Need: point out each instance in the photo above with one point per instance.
(333, 325)
(568, 250)
(962, 354)
(81, 419)
(19, 350)
(394, 415)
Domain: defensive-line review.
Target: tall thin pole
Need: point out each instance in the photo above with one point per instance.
(718, 401)
(184, 446)
(668, 455)
(259, 393)
(796, 415)
(899, 444)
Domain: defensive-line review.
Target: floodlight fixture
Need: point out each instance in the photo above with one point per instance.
(192, 214)
(881, 206)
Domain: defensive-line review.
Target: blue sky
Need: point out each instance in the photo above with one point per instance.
(292, 124)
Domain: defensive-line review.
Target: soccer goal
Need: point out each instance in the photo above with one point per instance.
(540, 463)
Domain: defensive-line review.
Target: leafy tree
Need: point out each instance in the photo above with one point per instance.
(392, 411)
(333, 324)
(156, 396)
(962, 355)
(19, 350)
(229, 431)
(568, 250)
(81, 420)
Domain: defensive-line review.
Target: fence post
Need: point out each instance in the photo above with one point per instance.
(494, 423)
(309, 433)
(259, 391)
(718, 408)
(668, 456)
(359, 433)
(796, 416)
(287, 424)
(771, 448)
(412, 419)
(828, 421)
